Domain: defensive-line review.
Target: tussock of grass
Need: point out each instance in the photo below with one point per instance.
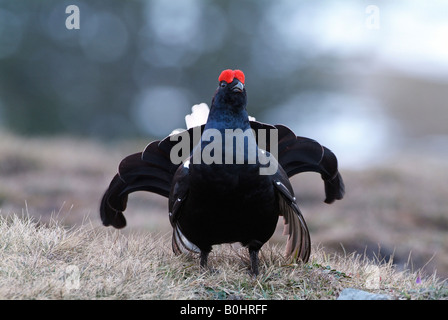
(53, 262)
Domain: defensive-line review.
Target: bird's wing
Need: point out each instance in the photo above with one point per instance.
(151, 170)
(134, 174)
(298, 244)
(299, 154)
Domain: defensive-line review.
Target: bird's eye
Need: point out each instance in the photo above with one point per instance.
(223, 84)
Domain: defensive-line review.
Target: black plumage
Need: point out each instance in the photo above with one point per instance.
(217, 203)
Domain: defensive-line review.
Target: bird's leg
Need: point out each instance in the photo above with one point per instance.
(253, 253)
(203, 261)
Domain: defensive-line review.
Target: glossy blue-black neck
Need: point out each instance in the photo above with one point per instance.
(228, 109)
(228, 117)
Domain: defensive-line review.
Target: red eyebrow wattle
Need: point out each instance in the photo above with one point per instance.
(228, 75)
(239, 75)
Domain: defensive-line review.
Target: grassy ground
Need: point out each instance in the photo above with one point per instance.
(54, 262)
(395, 210)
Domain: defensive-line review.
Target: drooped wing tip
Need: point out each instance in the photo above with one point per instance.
(334, 189)
(110, 216)
(116, 220)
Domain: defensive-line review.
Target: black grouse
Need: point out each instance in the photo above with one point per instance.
(226, 181)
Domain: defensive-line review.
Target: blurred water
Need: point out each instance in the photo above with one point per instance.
(154, 109)
(355, 128)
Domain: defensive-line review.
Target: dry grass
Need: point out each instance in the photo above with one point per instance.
(47, 261)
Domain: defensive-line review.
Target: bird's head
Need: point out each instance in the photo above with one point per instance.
(231, 90)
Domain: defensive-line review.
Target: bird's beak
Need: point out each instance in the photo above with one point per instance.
(238, 87)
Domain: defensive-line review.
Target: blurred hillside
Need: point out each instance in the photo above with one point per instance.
(368, 79)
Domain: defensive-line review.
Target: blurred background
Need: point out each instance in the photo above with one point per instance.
(368, 79)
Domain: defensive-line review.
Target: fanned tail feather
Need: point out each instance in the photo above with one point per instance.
(181, 244)
(298, 244)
